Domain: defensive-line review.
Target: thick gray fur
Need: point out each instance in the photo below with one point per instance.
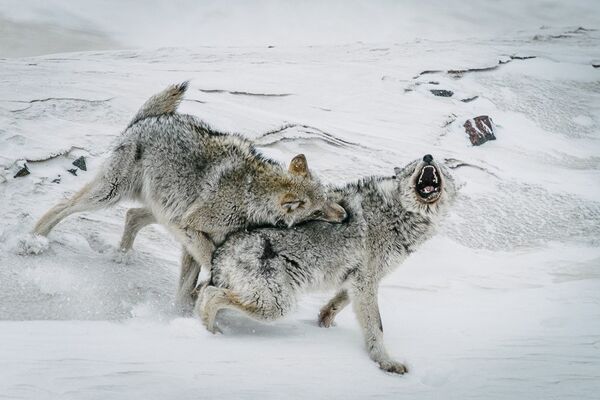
(263, 272)
(199, 183)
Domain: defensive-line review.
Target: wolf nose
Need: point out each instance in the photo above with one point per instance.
(428, 158)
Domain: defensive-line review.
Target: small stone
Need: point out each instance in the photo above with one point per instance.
(73, 171)
(56, 180)
(480, 129)
(442, 92)
(80, 163)
(469, 99)
(515, 57)
(22, 172)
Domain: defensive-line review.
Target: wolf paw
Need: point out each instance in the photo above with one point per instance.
(214, 329)
(209, 323)
(326, 318)
(120, 257)
(393, 367)
(32, 244)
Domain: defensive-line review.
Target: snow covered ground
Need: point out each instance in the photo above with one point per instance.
(504, 303)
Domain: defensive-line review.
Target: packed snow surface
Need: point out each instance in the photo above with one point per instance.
(504, 303)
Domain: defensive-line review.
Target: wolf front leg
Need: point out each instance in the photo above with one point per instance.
(332, 308)
(138, 218)
(197, 253)
(188, 279)
(364, 299)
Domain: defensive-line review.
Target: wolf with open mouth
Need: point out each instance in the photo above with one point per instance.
(262, 272)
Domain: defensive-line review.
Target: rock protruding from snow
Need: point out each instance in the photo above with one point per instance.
(480, 129)
(442, 92)
(24, 171)
(80, 163)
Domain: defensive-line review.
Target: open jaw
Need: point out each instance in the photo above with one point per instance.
(428, 183)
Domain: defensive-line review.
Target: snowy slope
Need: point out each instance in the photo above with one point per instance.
(503, 303)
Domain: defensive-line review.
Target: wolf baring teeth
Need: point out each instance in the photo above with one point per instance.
(262, 272)
(199, 183)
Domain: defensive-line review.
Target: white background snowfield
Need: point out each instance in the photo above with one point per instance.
(504, 303)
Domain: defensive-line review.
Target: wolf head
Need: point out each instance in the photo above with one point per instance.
(425, 186)
(303, 198)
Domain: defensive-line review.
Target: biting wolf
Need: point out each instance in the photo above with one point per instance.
(199, 183)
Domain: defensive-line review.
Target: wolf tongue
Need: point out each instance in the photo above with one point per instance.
(428, 189)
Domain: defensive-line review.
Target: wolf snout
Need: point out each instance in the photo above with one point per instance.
(335, 213)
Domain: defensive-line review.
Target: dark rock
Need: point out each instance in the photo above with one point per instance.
(73, 171)
(22, 172)
(459, 72)
(513, 57)
(426, 72)
(596, 65)
(442, 92)
(56, 180)
(480, 129)
(469, 99)
(80, 163)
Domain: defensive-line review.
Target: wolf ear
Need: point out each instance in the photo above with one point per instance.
(299, 166)
(397, 171)
(289, 202)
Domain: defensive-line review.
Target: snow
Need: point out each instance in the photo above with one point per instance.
(504, 303)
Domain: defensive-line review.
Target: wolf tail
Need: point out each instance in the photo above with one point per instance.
(165, 102)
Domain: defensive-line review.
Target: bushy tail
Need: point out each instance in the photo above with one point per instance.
(165, 102)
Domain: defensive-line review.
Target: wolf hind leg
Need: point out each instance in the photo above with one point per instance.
(135, 220)
(97, 194)
(210, 301)
(213, 299)
(332, 308)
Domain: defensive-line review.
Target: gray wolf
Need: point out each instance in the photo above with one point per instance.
(262, 272)
(199, 183)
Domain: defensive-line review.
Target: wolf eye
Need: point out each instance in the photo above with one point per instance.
(292, 205)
